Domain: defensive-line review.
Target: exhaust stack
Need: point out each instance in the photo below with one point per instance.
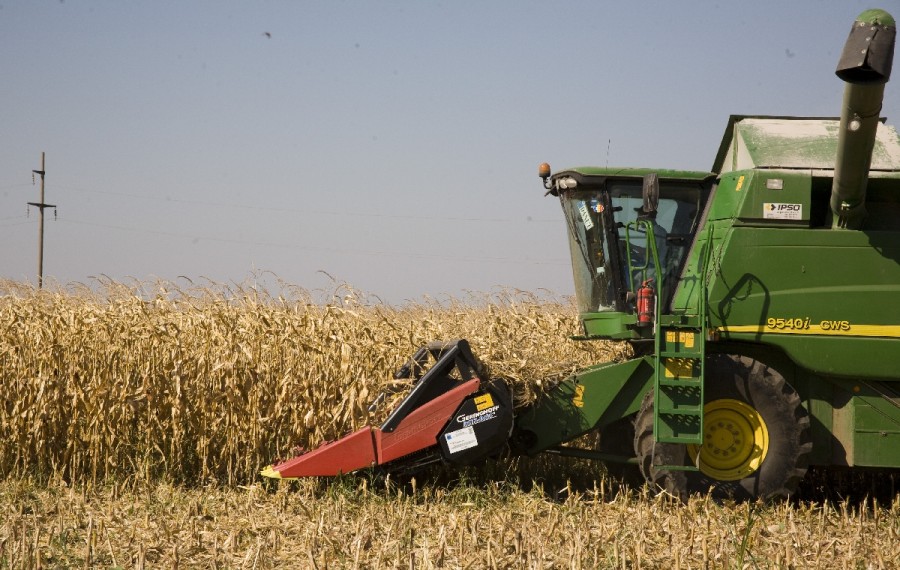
(865, 66)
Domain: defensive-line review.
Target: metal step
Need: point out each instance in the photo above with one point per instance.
(678, 397)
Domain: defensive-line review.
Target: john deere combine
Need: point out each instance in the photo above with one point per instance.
(762, 300)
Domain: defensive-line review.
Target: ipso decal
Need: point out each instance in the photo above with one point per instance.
(779, 211)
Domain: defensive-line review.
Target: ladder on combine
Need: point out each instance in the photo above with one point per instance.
(680, 362)
(678, 384)
(679, 356)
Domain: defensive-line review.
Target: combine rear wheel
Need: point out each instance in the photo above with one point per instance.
(756, 439)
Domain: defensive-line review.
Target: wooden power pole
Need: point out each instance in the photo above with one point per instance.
(41, 205)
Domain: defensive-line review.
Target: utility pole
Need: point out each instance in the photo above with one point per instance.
(41, 205)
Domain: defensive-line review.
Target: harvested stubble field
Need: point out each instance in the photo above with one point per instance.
(349, 524)
(134, 421)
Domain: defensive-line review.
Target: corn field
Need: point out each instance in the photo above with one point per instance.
(209, 384)
(135, 418)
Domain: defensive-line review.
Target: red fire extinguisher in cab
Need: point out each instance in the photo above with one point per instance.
(645, 301)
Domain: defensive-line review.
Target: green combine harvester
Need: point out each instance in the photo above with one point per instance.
(762, 301)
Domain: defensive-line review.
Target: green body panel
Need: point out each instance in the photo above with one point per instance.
(775, 193)
(638, 173)
(876, 16)
(867, 425)
(591, 398)
(611, 324)
(809, 293)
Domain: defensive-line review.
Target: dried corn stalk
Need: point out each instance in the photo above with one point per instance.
(151, 380)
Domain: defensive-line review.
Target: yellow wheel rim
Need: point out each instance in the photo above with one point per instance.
(735, 441)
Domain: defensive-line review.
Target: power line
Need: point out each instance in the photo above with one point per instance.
(334, 250)
(13, 218)
(8, 186)
(308, 212)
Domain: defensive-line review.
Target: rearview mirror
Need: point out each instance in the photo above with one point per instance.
(651, 195)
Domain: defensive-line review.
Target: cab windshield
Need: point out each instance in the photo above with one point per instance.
(609, 248)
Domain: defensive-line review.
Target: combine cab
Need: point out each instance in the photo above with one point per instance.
(762, 300)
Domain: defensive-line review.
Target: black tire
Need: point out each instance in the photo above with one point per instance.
(735, 384)
(617, 438)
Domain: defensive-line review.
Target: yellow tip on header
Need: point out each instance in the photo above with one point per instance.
(270, 472)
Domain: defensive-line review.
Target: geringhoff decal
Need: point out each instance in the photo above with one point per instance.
(484, 415)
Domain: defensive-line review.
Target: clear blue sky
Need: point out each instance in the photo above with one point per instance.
(393, 145)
